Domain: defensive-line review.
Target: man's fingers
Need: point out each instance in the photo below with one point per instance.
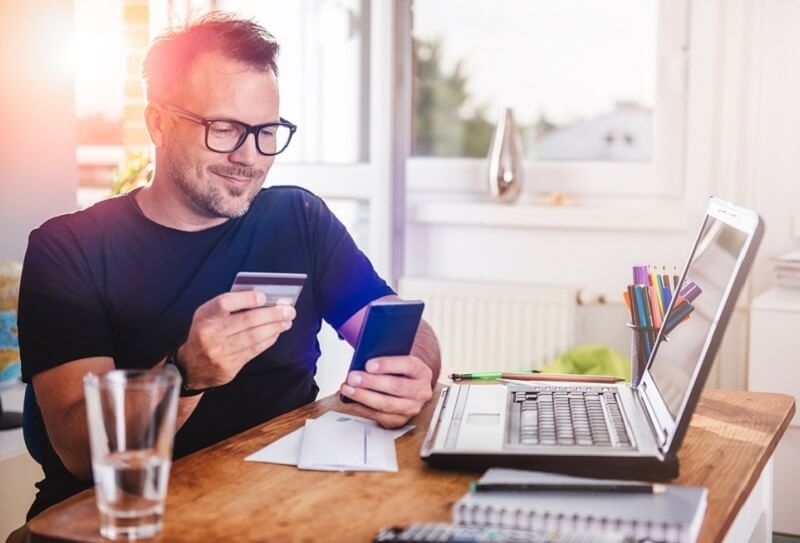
(230, 302)
(254, 318)
(383, 403)
(394, 385)
(410, 366)
(247, 339)
(387, 420)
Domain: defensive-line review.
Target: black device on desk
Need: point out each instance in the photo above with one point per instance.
(430, 532)
(389, 329)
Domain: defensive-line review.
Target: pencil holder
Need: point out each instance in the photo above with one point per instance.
(643, 340)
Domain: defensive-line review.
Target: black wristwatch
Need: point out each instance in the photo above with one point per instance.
(172, 359)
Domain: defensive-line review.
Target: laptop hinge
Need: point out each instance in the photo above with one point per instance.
(436, 420)
(659, 432)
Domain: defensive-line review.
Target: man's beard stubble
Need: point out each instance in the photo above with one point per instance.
(210, 198)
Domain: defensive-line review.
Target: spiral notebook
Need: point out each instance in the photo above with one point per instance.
(673, 515)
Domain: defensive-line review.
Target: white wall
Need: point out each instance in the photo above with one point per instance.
(38, 176)
(742, 145)
(775, 176)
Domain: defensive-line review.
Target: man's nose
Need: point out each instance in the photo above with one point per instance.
(247, 153)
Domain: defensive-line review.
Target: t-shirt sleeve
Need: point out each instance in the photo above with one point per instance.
(345, 279)
(60, 315)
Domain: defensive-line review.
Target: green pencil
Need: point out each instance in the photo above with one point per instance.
(485, 375)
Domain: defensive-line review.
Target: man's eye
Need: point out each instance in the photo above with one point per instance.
(223, 130)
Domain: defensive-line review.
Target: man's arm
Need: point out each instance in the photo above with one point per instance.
(393, 389)
(226, 332)
(426, 348)
(59, 393)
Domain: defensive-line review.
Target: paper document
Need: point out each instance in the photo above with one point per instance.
(358, 447)
(317, 452)
(338, 451)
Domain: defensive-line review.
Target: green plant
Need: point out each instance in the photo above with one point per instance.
(134, 171)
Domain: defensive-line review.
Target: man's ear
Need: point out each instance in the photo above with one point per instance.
(155, 118)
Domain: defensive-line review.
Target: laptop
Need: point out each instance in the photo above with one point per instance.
(609, 430)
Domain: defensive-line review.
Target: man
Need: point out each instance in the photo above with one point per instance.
(142, 279)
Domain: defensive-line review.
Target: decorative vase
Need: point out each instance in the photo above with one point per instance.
(505, 160)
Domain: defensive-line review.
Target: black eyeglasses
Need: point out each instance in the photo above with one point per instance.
(226, 135)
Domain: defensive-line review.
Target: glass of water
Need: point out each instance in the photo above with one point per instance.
(131, 416)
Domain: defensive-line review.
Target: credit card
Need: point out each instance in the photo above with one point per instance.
(279, 288)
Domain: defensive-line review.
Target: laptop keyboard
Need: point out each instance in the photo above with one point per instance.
(570, 416)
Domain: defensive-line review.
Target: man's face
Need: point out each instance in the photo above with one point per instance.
(220, 185)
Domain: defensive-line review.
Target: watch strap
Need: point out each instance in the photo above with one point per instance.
(185, 391)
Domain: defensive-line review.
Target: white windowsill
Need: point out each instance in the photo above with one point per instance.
(650, 217)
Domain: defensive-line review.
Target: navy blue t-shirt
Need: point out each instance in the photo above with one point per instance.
(107, 281)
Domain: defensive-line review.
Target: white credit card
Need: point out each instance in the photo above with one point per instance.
(279, 288)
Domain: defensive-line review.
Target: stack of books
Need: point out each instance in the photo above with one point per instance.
(787, 269)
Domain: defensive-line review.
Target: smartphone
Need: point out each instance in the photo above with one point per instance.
(389, 329)
(279, 288)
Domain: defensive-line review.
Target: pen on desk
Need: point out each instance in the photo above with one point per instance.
(534, 375)
(633, 488)
(570, 377)
(488, 375)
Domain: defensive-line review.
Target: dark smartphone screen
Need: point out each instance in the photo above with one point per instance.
(388, 329)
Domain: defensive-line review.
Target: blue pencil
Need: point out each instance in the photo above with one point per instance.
(667, 291)
(640, 306)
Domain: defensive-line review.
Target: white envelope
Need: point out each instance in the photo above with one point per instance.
(286, 450)
(333, 445)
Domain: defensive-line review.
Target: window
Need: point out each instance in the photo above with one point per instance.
(597, 89)
(324, 74)
(98, 57)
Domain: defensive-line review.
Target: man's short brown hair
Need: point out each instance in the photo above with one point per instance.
(171, 55)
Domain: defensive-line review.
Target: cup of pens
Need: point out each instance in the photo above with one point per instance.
(654, 301)
(643, 340)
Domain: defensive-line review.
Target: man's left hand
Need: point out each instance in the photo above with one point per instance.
(391, 391)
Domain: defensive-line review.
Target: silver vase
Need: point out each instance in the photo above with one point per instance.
(505, 160)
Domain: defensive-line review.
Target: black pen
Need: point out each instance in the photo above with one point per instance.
(631, 488)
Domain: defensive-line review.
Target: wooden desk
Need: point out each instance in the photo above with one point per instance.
(214, 495)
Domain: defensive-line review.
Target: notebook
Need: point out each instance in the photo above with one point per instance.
(673, 515)
(608, 430)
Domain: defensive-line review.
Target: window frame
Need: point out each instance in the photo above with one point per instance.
(663, 176)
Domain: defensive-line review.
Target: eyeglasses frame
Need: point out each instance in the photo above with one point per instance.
(248, 129)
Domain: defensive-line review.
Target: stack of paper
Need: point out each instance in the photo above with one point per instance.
(787, 269)
(335, 442)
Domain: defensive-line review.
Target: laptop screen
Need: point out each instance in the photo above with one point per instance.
(707, 278)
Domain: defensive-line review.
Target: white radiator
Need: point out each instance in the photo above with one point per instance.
(495, 326)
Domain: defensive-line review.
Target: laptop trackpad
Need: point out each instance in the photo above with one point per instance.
(483, 418)
(483, 421)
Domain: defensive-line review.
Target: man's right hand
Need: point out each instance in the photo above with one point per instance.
(227, 332)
